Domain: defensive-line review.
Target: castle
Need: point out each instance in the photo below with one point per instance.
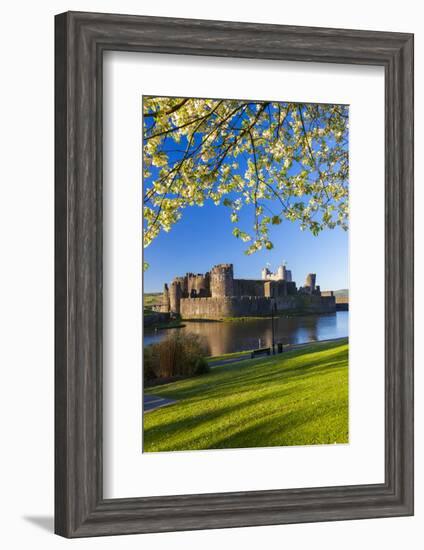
(217, 294)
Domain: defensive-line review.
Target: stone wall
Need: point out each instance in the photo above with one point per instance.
(217, 294)
(318, 304)
(154, 317)
(198, 283)
(248, 287)
(206, 308)
(279, 289)
(327, 293)
(219, 308)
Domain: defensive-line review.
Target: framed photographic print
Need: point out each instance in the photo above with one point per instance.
(234, 274)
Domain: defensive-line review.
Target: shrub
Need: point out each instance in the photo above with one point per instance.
(202, 366)
(177, 355)
(149, 360)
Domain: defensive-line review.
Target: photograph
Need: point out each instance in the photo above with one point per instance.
(245, 273)
(208, 274)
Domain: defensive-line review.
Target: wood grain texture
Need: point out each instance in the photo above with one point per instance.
(81, 39)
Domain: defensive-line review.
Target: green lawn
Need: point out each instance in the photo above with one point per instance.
(296, 398)
(154, 298)
(215, 358)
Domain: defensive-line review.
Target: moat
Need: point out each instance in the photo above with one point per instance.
(232, 336)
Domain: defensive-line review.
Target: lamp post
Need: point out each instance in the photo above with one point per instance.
(273, 308)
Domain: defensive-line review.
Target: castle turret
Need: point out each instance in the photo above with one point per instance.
(175, 297)
(282, 274)
(222, 280)
(198, 283)
(165, 306)
(310, 281)
(265, 273)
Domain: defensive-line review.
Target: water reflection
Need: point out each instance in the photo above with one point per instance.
(228, 337)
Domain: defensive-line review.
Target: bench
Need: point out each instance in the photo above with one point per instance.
(260, 351)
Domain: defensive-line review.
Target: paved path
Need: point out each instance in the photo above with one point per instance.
(153, 402)
(287, 347)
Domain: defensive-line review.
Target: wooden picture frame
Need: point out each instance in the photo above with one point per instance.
(81, 39)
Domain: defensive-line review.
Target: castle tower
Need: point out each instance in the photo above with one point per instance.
(265, 273)
(222, 280)
(202, 285)
(165, 306)
(198, 284)
(175, 297)
(310, 281)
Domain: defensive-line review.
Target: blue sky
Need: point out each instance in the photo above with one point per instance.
(203, 238)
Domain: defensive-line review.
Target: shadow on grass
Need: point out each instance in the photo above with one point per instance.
(195, 419)
(283, 433)
(256, 405)
(259, 428)
(228, 380)
(244, 367)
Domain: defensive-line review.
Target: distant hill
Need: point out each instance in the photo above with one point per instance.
(342, 298)
(152, 299)
(341, 295)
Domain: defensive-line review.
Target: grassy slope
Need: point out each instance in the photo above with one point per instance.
(215, 358)
(152, 299)
(298, 398)
(342, 292)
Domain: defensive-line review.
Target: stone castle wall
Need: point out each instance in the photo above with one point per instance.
(261, 288)
(221, 307)
(248, 287)
(198, 283)
(217, 294)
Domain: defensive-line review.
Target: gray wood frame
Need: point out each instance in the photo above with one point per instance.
(80, 40)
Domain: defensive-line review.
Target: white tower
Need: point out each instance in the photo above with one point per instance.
(265, 273)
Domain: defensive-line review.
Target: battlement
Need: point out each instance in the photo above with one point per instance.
(217, 294)
(224, 267)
